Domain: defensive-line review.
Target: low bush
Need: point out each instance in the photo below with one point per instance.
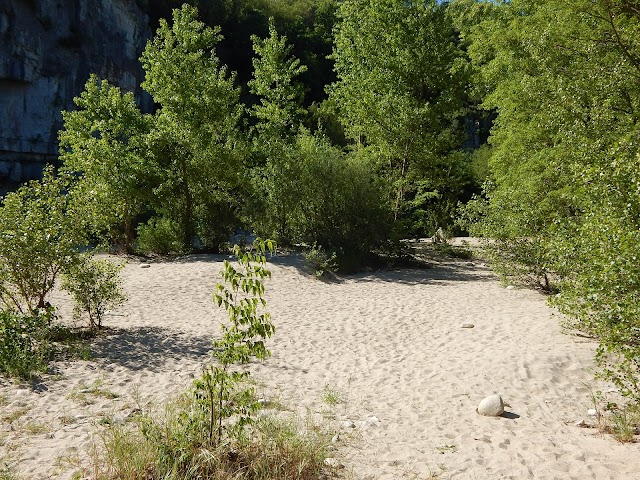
(40, 234)
(344, 208)
(95, 286)
(24, 343)
(159, 235)
(320, 262)
(445, 248)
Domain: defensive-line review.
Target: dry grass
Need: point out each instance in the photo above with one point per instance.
(173, 445)
(620, 421)
(15, 415)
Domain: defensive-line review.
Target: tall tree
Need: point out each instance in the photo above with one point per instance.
(564, 196)
(195, 138)
(104, 141)
(400, 89)
(278, 116)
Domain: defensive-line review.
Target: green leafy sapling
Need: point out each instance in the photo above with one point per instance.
(243, 338)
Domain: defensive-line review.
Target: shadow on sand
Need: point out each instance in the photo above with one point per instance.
(445, 271)
(148, 348)
(510, 415)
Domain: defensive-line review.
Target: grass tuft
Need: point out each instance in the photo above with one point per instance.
(332, 395)
(173, 446)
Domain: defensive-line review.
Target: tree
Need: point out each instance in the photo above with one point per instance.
(278, 116)
(243, 338)
(563, 197)
(402, 103)
(195, 138)
(274, 73)
(104, 142)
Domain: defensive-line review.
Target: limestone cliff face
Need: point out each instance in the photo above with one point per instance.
(48, 48)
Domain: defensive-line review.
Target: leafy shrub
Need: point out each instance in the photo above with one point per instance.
(95, 286)
(600, 288)
(319, 261)
(24, 344)
(445, 248)
(40, 232)
(344, 208)
(160, 235)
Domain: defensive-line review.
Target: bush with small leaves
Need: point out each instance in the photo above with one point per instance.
(40, 232)
(320, 261)
(24, 344)
(96, 287)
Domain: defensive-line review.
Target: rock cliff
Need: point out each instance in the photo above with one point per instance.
(48, 48)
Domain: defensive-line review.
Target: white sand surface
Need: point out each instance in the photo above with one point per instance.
(389, 344)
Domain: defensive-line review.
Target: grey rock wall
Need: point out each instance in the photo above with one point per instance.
(48, 48)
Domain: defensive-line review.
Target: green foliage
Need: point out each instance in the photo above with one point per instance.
(320, 262)
(343, 207)
(242, 339)
(95, 286)
(307, 23)
(274, 73)
(403, 102)
(278, 118)
(159, 235)
(40, 233)
(332, 395)
(24, 343)
(104, 144)
(562, 199)
(194, 139)
(445, 248)
(175, 446)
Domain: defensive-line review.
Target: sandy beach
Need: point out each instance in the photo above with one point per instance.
(387, 346)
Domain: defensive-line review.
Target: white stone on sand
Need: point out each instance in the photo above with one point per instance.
(492, 406)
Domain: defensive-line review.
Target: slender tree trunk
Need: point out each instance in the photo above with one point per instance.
(220, 398)
(128, 234)
(187, 217)
(400, 193)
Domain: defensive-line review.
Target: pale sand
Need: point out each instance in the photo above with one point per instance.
(389, 342)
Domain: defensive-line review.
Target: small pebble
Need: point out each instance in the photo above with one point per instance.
(348, 424)
(467, 325)
(371, 422)
(511, 287)
(145, 265)
(592, 412)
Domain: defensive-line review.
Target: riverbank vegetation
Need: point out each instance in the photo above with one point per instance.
(346, 126)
